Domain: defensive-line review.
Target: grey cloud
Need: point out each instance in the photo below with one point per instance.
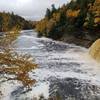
(30, 9)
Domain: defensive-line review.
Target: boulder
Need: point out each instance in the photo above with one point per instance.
(95, 50)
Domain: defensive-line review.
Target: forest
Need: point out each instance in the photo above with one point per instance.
(79, 19)
(9, 20)
(55, 58)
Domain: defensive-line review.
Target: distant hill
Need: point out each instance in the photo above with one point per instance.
(76, 22)
(9, 20)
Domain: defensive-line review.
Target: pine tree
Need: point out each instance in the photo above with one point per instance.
(48, 13)
(53, 8)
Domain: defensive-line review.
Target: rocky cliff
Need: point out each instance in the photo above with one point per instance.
(95, 50)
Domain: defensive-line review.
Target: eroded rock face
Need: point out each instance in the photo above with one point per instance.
(95, 50)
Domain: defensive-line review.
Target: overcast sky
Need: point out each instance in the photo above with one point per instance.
(30, 9)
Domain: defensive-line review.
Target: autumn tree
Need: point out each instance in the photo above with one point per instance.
(78, 15)
(10, 20)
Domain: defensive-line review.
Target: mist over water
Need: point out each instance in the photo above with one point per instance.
(64, 68)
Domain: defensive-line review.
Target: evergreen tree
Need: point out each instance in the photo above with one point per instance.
(1, 22)
(90, 20)
(48, 13)
(53, 8)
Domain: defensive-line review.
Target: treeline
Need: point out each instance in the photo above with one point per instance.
(9, 20)
(77, 18)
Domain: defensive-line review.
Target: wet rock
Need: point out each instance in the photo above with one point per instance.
(18, 92)
(74, 89)
(53, 45)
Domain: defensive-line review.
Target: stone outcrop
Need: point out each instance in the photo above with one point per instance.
(95, 50)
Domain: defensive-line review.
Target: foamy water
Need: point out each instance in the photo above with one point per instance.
(57, 61)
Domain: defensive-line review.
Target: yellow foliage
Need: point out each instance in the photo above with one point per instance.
(5, 25)
(9, 37)
(50, 25)
(45, 25)
(72, 13)
(56, 16)
(95, 8)
(97, 20)
(13, 63)
(85, 24)
(17, 65)
(41, 26)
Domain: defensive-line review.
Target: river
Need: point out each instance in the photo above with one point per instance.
(64, 69)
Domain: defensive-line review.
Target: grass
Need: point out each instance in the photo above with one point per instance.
(9, 37)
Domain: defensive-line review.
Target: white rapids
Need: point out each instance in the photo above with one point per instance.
(55, 60)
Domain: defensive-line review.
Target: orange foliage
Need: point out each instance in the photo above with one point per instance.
(72, 13)
(95, 8)
(18, 66)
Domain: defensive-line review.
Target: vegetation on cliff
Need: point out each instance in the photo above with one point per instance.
(79, 18)
(9, 20)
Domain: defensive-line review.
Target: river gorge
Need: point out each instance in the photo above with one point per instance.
(64, 69)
